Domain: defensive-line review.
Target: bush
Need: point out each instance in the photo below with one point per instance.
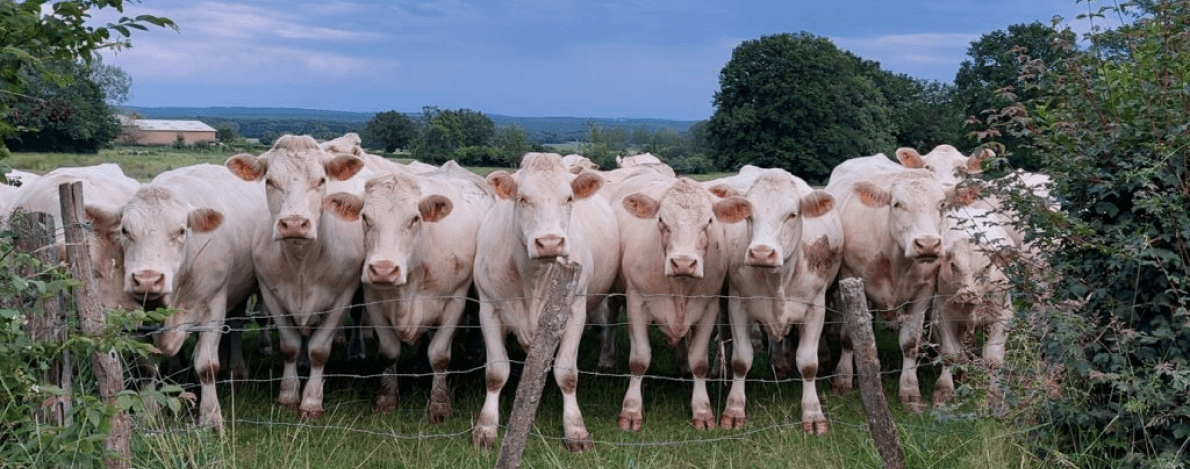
(1112, 132)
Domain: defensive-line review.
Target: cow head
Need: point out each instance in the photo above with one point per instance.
(685, 215)
(295, 172)
(543, 193)
(977, 249)
(915, 203)
(946, 162)
(393, 212)
(779, 204)
(107, 256)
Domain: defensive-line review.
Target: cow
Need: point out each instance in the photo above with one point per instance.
(972, 292)
(946, 162)
(578, 163)
(307, 260)
(645, 160)
(543, 213)
(780, 265)
(419, 236)
(351, 144)
(105, 187)
(893, 221)
(187, 241)
(673, 269)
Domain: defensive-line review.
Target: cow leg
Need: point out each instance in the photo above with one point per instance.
(291, 344)
(607, 318)
(910, 340)
(390, 349)
(439, 354)
(639, 356)
(995, 339)
(844, 371)
(206, 361)
(813, 420)
(948, 342)
(700, 401)
(566, 374)
(357, 348)
(320, 350)
(483, 435)
(734, 415)
(237, 366)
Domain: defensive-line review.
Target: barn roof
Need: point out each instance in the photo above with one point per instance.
(171, 125)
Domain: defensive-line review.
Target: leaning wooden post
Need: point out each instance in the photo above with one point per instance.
(35, 236)
(108, 371)
(863, 341)
(541, 354)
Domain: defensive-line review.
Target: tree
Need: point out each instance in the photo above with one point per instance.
(797, 102)
(445, 132)
(69, 116)
(30, 40)
(391, 130)
(226, 133)
(990, 79)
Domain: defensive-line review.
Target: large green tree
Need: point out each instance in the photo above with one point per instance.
(391, 130)
(797, 102)
(445, 132)
(70, 115)
(990, 79)
(30, 39)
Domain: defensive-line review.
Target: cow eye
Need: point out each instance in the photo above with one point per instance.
(271, 184)
(180, 232)
(321, 183)
(415, 220)
(792, 216)
(366, 221)
(898, 205)
(124, 232)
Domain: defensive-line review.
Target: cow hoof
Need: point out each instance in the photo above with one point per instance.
(310, 414)
(913, 404)
(578, 445)
(704, 422)
(483, 436)
(816, 426)
(606, 368)
(439, 412)
(943, 397)
(631, 421)
(732, 420)
(288, 405)
(384, 404)
(214, 423)
(840, 388)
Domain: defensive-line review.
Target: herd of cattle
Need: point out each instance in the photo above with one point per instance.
(307, 224)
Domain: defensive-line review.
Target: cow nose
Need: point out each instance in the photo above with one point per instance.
(763, 256)
(148, 282)
(928, 247)
(384, 272)
(294, 226)
(550, 246)
(684, 265)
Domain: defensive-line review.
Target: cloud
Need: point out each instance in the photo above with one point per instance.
(935, 56)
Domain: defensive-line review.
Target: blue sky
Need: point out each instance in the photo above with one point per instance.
(630, 58)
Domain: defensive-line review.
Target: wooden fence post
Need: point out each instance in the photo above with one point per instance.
(109, 373)
(863, 341)
(35, 236)
(541, 354)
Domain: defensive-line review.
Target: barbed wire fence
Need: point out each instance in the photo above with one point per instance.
(832, 321)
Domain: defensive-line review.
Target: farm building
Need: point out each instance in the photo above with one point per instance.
(164, 132)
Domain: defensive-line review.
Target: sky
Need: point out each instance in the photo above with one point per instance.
(524, 58)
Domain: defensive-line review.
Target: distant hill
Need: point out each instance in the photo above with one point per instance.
(253, 122)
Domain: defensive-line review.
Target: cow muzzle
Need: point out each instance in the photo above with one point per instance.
(763, 256)
(295, 226)
(683, 265)
(385, 273)
(926, 249)
(549, 246)
(147, 282)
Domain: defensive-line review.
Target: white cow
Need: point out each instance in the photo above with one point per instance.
(946, 162)
(419, 233)
(351, 144)
(543, 213)
(673, 268)
(105, 187)
(894, 222)
(645, 160)
(307, 261)
(972, 293)
(187, 238)
(578, 163)
(781, 264)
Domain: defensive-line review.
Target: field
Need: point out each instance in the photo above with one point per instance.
(261, 434)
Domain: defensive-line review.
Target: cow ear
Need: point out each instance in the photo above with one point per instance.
(975, 162)
(816, 204)
(502, 184)
(104, 220)
(586, 185)
(343, 205)
(204, 220)
(434, 207)
(964, 194)
(733, 209)
(910, 158)
(344, 167)
(641, 206)
(724, 191)
(872, 195)
(247, 167)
